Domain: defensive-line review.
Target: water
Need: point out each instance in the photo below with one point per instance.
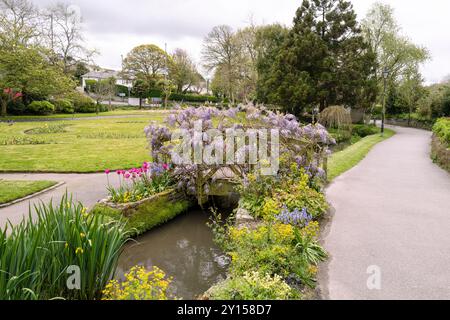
(183, 249)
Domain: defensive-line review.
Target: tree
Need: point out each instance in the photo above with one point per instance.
(323, 61)
(64, 35)
(183, 71)
(147, 61)
(104, 89)
(222, 52)
(268, 42)
(148, 64)
(28, 71)
(19, 23)
(394, 52)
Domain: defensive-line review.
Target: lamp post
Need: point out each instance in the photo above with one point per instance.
(383, 116)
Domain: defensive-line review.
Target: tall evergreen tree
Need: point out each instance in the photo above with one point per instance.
(324, 60)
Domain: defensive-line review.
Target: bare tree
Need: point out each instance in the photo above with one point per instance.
(221, 50)
(19, 23)
(65, 35)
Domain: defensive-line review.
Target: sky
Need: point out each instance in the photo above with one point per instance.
(114, 27)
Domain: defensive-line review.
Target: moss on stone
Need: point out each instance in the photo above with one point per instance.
(147, 215)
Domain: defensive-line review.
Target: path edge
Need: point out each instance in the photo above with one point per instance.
(11, 203)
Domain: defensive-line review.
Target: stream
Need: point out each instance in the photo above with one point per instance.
(184, 249)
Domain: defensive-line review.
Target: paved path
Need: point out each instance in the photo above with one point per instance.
(392, 212)
(86, 188)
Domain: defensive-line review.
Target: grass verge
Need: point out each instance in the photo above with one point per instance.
(346, 159)
(12, 190)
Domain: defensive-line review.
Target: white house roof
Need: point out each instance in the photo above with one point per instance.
(101, 74)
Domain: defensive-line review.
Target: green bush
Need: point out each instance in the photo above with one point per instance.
(64, 106)
(41, 107)
(83, 103)
(38, 255)
(276, 249)
(442, 130)
(363, 130)
(253, 286)
(16, 107)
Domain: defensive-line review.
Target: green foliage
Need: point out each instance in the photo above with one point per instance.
(442, 130)
(274, 249)
(336, 117)
(82, 103)
(36, 254)
(363, 130)
(265, 197)
(146, 216)
(346, 159)
(140, 285)
(30, 72)
(16, 107)
(41, 107)
(253, 286)
(64, 106)
(323, 61)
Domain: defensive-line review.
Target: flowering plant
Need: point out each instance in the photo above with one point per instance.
(140, 183)
(307, 146)
(298, 218)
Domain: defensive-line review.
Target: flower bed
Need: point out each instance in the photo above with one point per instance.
(146, 214)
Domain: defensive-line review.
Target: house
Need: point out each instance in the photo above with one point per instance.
(103, 75)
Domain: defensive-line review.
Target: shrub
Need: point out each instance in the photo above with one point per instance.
(16, 107)
(64, 106)
(336, 117)
(264, 199)
(442, 130)
(35, 258)
(363, 130)
(83, 103)
(140, 284)
(276, 249)
(41, 107)
(253, 286)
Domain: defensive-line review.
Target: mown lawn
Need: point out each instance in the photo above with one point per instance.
(346, 159)
(12, 190)
(74, 146)
(130, 112)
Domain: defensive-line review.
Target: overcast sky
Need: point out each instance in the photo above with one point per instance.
(114, 27)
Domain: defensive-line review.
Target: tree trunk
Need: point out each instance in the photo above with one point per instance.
(4, 107)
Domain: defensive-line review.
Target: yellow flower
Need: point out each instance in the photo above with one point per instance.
(66, 245)
(79, 251)
(82, 235)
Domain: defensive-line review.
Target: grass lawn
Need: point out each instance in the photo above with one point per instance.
(346, 159)
(130, 112)
(75, 146)
(12, 190)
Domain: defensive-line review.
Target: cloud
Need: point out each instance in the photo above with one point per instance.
(114, 27)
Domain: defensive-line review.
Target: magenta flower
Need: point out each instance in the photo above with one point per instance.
(165, 166)
(107, 171)
(127, 175)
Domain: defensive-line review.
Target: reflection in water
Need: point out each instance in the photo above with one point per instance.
(184, 250)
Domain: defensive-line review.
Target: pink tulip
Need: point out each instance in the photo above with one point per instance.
(127, 176)
(165, 166)
(107, 171)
